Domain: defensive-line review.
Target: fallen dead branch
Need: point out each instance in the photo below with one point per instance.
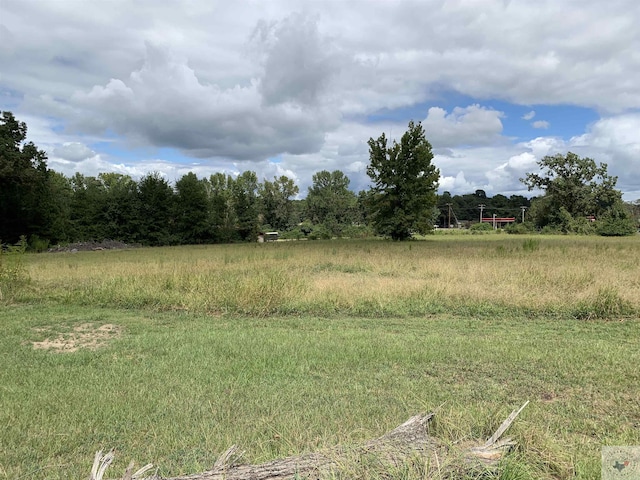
(402, 445)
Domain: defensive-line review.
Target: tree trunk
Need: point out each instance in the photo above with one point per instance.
(406, 444)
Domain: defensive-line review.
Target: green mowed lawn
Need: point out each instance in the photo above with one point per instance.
(177, 389)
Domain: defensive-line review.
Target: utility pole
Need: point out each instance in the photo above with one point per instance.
(449, 224)
(481, 207)
(523, 208)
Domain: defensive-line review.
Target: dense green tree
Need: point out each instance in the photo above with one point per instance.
(114, 206)
(244, 195)
(156, 207)
(516, 202)
(500, 203)
(276, 202)
(634, 211)
(192, 210)
(616, 222)
(87, 208)
(298, 210)
(450, 211)
(25, 192)
(106, 207)
(574, 187)
(120, 209)
(442, 204)
(465, 207)
(363, 203)
(59, 205)
(223, 217)
(330, 202)
(405, 183)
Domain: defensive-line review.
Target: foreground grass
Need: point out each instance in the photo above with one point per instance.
(295, 346)
(177, 389)
(494, 275)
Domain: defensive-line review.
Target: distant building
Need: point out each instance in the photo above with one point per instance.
(267, 237)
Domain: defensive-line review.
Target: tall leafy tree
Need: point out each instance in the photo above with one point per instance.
(516, 202)
(192, 210)
(276, 201)
(330, 202)
(88, 203)
(223, 217)
(463, 207)
(156, 207)
(404, 183)
(244, 192)
(120, 210)
(574, 189)
(634, 211)
(24, 183)
(61, 229)
(616, 222)
(444, 209)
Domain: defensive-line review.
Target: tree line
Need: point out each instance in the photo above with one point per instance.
(49, 208)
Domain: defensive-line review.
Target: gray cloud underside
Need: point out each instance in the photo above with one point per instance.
(247, 81)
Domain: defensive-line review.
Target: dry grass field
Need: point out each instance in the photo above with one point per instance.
(170, 355)
(583, 277)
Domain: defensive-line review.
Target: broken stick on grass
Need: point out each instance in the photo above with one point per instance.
(406, 443)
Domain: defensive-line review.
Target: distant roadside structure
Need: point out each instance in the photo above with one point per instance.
(498, 222)
(267, 237)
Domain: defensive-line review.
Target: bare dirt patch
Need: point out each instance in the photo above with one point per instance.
(86, 335)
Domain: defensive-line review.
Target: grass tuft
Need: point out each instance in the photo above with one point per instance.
(607, 303)
(13, 273)
(531, 245)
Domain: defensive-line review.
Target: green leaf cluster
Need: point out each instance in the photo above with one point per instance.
(577, 192)
(404, 187)
(25, 184)
(330, 202)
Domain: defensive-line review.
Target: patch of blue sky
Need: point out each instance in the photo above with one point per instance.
(563, 121)
(10, 99)
(276, 159)
(58, 127)
(523, 122)
(127, 154)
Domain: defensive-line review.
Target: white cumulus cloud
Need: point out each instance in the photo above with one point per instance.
(543, 124)
(529, 115)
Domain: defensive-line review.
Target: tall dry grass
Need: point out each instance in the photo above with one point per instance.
(585, 277)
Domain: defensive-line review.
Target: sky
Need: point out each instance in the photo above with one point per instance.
(294, 87)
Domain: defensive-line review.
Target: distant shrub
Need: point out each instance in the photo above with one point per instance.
(581, 226)
(298, 232)
(616, 222)
(37, 244)
(551, 230)
(481, 227)
(520, 228)
(320, 232)
(293, 234)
